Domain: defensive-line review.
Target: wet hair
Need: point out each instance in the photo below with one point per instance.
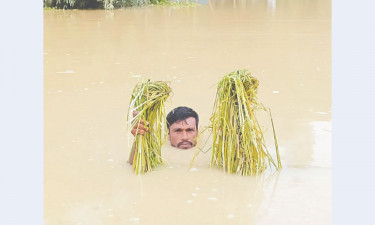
(181, 113)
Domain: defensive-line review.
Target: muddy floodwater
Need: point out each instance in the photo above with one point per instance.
(93, 59)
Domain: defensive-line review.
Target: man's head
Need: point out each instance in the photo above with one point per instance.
(182, 123)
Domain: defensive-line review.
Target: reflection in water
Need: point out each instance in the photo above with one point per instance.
(272, 5)
(202, 2)
(92, 60)
(321, 131)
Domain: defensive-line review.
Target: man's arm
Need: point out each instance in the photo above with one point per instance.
(138, 129)
(132, 155)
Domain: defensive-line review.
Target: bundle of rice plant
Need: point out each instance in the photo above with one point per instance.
(149, 98)
(238, 142)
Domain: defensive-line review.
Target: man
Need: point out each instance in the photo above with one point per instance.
(182, 124)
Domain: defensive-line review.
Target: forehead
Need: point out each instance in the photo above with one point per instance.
(184, 124)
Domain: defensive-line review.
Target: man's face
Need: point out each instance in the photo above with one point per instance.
(182, 133)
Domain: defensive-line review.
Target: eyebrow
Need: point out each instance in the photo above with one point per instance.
(189, 128)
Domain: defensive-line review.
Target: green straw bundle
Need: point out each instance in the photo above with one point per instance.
(148, 98)
(238, 142)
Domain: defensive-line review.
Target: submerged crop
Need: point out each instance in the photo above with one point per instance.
(148, 98)
(238, 144)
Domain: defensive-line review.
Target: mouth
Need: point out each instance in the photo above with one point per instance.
(185, 144)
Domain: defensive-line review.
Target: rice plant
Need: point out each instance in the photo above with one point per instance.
(95, 4)
(238, 145)
(149, 98)
(110, 4)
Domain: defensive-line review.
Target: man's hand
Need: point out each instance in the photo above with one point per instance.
(141, 127)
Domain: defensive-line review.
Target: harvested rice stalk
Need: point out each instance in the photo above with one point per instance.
(238, 142)
(148, 98)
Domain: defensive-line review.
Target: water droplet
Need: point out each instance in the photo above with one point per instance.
(212, 199)
(189, 201)
(194, 194)
(197, 188)
(275, 92)
(110, 160)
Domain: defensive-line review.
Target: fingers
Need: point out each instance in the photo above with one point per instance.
(140, 128)
(134, 131)
(135, 113)
(142, 122)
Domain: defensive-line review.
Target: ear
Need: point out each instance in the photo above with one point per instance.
(169, 136)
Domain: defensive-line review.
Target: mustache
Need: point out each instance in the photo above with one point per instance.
(183, 142)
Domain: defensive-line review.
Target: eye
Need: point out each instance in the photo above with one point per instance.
(190, 130)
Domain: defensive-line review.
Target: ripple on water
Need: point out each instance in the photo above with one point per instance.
(67, 71)
(230, 216)
(193, 169)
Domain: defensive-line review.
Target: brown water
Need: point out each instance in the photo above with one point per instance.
(92, 59)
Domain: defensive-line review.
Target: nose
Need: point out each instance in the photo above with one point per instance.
(184, 135)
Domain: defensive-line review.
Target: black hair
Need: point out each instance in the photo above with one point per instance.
(181, 113)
